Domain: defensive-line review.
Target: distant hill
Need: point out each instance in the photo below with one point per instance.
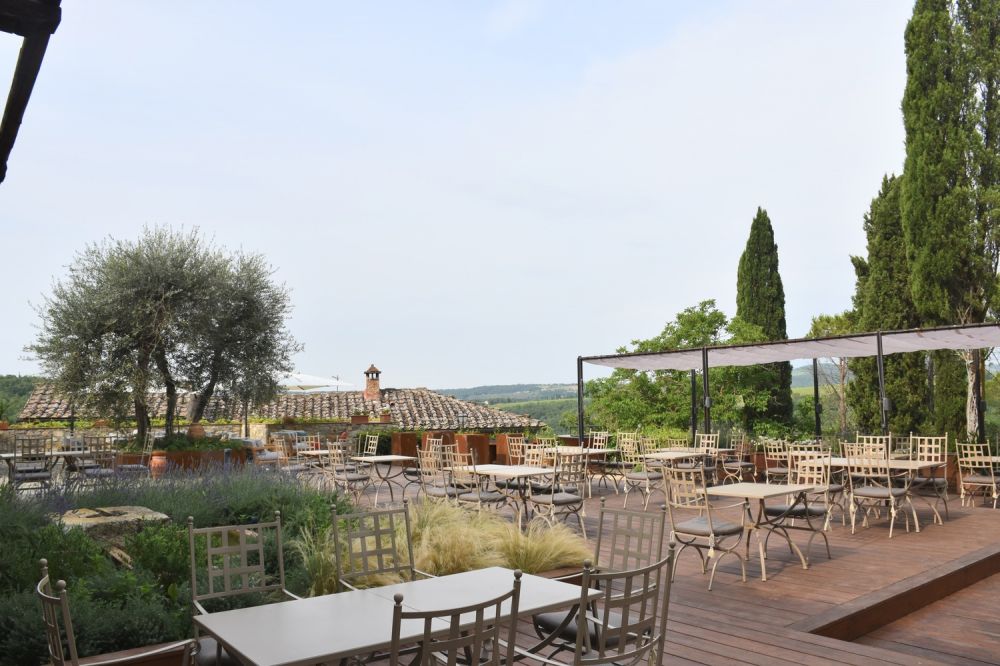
(501, 393)
(14, 392)
(802, 376)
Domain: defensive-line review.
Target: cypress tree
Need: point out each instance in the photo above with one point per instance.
(882, 302)
(949, 195)
(760, 300)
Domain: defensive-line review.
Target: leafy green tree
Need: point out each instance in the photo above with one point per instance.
(168, 311)
(949, 195)
(629, 399)
(760, 300)
(882, 302)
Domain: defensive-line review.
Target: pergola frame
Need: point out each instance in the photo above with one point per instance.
(878, 344)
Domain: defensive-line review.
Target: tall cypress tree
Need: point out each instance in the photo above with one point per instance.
(950, 217)
(882, 302)
(760, 300)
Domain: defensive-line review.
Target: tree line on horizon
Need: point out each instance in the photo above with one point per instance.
(933, 243)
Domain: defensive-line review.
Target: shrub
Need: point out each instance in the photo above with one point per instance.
(540, 548)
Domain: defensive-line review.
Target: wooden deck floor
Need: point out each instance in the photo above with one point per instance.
(756, 622)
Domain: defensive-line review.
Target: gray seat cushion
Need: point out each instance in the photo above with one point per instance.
(559, 499)
(548, 623)
(489, 497)
(699, 527)
(644, 476)
(796, 511)
(878, 492)
(977, 478)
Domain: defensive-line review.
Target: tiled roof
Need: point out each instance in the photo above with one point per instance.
(411, 409)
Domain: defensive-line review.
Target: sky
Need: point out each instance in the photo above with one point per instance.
(462, 193)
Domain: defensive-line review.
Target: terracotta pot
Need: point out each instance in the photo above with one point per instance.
(358, 419)
(385, 418)
(196, 431)
(158, 464)
(4, 425)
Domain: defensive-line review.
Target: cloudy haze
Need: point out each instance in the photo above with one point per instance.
(462, 193)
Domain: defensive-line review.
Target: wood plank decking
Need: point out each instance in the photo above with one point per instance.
(761, 622)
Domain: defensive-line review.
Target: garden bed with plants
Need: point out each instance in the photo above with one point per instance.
(143, 598)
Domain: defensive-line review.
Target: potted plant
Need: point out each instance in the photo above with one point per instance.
(359, 416)
(385, 416)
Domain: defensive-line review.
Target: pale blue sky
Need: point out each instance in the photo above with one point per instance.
(462, 192)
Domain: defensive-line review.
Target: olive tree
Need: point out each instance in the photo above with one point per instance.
(167, 312)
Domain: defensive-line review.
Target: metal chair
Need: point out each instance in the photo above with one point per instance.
(634, 539)
(61, 640)
(487, 641)
(472, 488)
(140, 468)
(32, 462)
(976, 474)
(931, 449)
(234, 565)
(637, 475)
(872, 486)
(736, 466)
(345, 476)
(101, 460)
(566, 496)
(435, 481)
(793, 515)
(703, 533)
(373, 543)
(627, 624)
(775, 461)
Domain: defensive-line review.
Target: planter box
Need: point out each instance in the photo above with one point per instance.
(195, 460)
(478, 444)
(447, 437)
(502, 449)
(385, 418)
(357, 419)
(404, 444)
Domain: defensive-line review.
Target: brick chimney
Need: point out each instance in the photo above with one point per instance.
(372, 389)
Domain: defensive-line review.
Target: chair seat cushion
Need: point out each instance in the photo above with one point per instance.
(133, 467)
(266, 455)
(32, 476)
(737, 464)
(878, 492)
(559, 499)
(98, 472)
(978, 478)
(796, 511)
(699, 527)
(777, 470)
(490, 496)
(644, 476)
(930, 481)
(440, 491)
(547, 623)
(352, 477)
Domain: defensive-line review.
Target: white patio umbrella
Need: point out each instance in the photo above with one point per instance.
(297, 382)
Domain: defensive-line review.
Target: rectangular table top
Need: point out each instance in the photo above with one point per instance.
(334, 626)
(385, 458)
(575, 449)
(757, 491)
(901, 465)
(673, 455)
(507, 471)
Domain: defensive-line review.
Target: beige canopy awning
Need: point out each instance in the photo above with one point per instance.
(970, 336)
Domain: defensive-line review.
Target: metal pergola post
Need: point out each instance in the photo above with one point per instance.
(883, 401)
(579, 399)
(704, 386)
(817, 407)
(694, 405)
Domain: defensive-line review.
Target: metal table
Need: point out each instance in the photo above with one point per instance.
(387, 478)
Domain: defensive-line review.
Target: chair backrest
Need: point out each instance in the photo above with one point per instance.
(882, 441)
(371, 445)
(625, 440)
(534, 455)
(278, 444)
(492, 628)
(902, 446)
(708, 442)
(974, 459)
(742, 448)
(571, 472)
(633, 538)
(431, 465)
(101, 449)
(867, 464)
(462, 467)
(775, 452)
(56, 618)
(798, 451)
(812, 469)
(930, 449)
(234, 560)
(32, 446)
(685, 488)
(372, 543)
(677, 443)
(547, 442)
(628, 451)
(648, 443)
(515, 449)
(598, 439)
(630, 616)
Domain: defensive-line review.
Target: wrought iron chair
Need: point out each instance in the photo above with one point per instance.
(634, 539)
(515, 449)
(871, 485)
(234, 566)
(976, 474)
(811, 470)
(637, 475)
(345, 476)
(140, 468)
(736, 466)
(370, 544)
(931, 449)
(566, 496)
(102, 458)
(627, 624)
(61, 640)
(702, 532)
(775, 461)
(32, 462)
(471, 487)
(489, 641)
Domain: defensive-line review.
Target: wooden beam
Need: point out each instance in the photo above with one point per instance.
(28, 63)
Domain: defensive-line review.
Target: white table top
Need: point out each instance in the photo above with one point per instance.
(757, 491)
(507, 471)
(385, 458)
(330, 627)
(673, 455)
(904, 465)
(575, 449)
